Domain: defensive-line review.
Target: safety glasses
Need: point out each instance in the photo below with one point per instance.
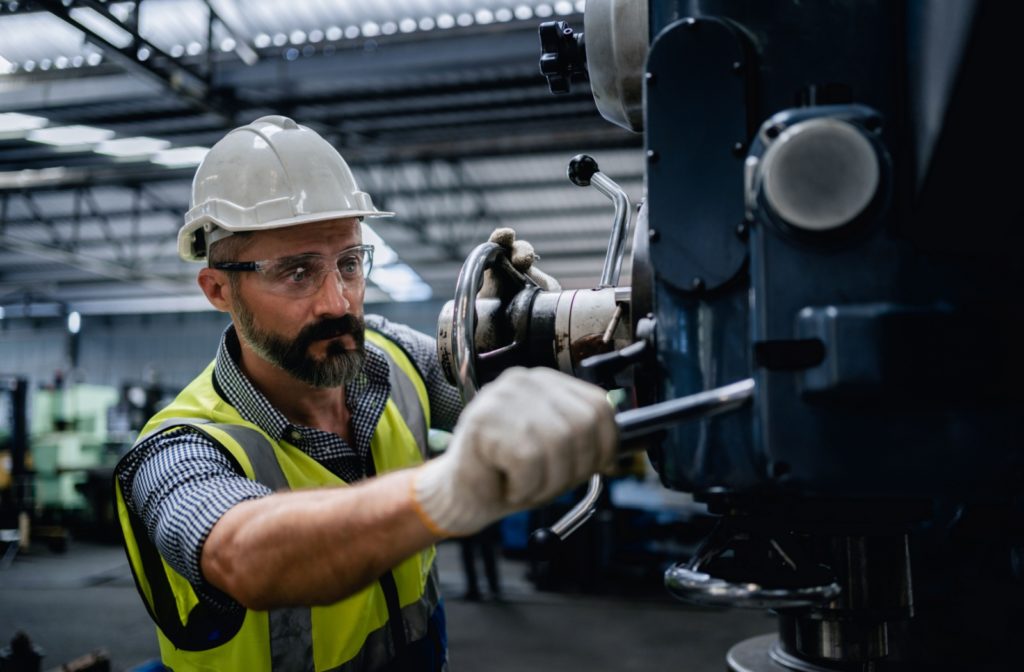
(302, 275)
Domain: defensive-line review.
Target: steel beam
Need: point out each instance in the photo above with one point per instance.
(177, 77)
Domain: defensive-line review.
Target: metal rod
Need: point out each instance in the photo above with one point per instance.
(609, 331)
(583, 510)
(638, 423)
(620, 226)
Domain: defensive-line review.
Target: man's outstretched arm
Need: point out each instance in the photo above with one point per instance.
(526, 438)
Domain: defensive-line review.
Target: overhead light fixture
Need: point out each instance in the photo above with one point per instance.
(400, 282)
(383, 254)
(102, 26)
(6, 67)
(70, 136)
(564, 8)
(16, 125)
(140, 146)
(74, 322)
(28, 178)
(180, 157)
(523, 12)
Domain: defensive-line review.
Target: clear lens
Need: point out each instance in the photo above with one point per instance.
(304, 274)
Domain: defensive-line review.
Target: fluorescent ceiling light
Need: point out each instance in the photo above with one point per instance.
(137, 146)
(383, 254)
(16, 125)
(32, 177)
(64, 136)
(6, 67)
(180, 157)
(400, 282)
(102, 26)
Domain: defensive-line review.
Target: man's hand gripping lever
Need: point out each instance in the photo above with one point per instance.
(524, 439)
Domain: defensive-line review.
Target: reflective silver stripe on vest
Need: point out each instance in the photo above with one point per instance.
(407, 399)
(291, 630)
(378, 648)
(258, 449)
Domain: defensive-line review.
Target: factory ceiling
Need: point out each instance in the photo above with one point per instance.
(438, 106)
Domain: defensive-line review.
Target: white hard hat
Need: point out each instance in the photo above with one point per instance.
(269, 174)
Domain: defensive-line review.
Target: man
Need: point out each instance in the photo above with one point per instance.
(278, 514)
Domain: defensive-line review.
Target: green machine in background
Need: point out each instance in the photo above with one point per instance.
(70, 449)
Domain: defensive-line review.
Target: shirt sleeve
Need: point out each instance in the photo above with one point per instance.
(445, 402)
(180, 484)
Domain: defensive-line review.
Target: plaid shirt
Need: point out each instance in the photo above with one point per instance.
(180, 483)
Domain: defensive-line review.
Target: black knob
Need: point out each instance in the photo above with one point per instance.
(563, 55)
(544, 543)
(581, 169)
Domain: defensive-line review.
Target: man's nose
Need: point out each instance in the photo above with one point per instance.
(330, 298)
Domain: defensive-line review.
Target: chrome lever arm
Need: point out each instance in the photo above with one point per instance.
(637, 424)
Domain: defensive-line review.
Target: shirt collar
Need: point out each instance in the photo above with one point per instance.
(254, 407)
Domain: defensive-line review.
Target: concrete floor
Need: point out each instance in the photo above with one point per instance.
(84, 599)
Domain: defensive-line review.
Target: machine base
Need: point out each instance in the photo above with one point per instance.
(762, 654)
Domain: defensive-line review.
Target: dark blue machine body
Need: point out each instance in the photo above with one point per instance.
(883, 364)
(830, 213)
(827, 212)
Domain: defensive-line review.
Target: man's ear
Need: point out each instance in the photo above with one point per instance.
(217, 288)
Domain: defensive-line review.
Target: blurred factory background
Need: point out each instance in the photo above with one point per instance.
(438, 106)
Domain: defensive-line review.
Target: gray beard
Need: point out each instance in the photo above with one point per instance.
(339, 367)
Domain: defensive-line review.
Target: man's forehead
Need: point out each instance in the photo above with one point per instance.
(328, 235)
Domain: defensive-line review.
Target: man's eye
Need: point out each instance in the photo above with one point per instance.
(350, 266)
(296, 274)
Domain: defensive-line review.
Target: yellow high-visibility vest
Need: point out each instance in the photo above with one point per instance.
(356, 633)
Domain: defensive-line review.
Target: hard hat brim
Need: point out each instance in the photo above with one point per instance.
(186, 236)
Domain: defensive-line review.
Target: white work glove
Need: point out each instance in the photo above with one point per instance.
(522, 256)
(527, 437)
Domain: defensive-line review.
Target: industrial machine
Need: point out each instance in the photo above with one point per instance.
(819, 331)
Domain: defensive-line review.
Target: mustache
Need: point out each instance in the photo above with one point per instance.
(331, 328)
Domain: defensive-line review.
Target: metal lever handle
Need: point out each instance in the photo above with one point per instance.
(688, 581)
(483, 257)
(635, 425)
(689, 584)
(583, 172)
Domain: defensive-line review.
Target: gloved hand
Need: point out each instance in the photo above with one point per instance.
(525, 438)
(522, 256)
